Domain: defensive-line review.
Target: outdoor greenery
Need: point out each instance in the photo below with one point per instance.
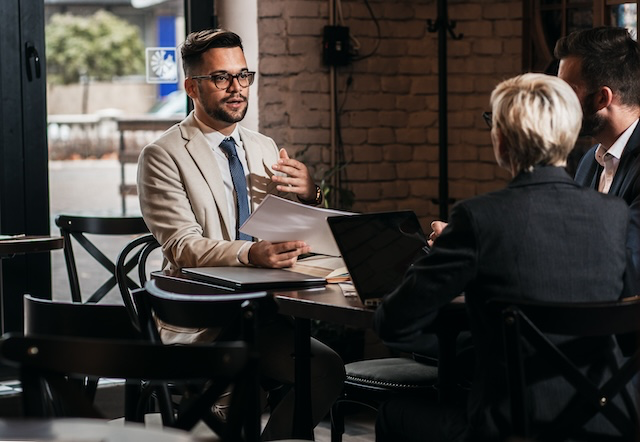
(97, 47)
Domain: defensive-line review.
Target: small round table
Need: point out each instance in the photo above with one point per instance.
(19, 245)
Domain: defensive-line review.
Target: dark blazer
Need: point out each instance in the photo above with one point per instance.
(540, 238)
(626, 184)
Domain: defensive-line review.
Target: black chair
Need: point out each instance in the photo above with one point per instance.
(371, 382)
(533, 331)
(140, 248)
(77, 320)
(236, 317)
(45, 363)
(77, 227)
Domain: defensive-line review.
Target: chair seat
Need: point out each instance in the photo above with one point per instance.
(391, 373)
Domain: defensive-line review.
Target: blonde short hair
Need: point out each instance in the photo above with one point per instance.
(539, 117)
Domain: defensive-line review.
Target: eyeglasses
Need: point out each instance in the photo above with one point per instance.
(223, 80)
(488, 118)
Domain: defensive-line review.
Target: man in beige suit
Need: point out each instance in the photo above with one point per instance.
(192, 200)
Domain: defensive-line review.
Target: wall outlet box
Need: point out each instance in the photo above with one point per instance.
(335, 46)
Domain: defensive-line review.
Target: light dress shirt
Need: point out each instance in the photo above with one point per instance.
(610, 158)
(215, 138)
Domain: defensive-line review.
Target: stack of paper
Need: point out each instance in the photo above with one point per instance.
(277, 219)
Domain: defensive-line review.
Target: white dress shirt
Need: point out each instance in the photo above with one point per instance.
(610, 158)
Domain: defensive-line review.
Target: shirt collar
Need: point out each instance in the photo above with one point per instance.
(215, 137)
(617, 148)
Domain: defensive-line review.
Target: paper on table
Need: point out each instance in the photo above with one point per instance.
(332, 268)
(277, 219)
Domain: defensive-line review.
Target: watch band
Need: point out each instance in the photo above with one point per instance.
(317, 200)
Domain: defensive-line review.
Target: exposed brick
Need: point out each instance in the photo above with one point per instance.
(387, 205)
(307, 136)
(460, 119)
(508, 28)
(354, 136)
(425, 153)
(461, 84)
(301, 44)
(414, 65)
(358, 172)
(396, 84)
(424, 85)
(306, 82)
(411, 103)
(486, 154)
(422, 119)
(364, 119)
(479, 171)
(393, 118)
(303, 9)
(270, 9)
(409, 29)
(306, 26)
(462, 189)
(397, 153)
(398, 11)
(380, 135)
(367, 191)
(495, 11)
(366, 83)
(463, 153)
(488, 46)
(465, 11)
(477, 29)
(314, 101)
(272, 26)
(415, 169)
(411, 136)
(424, 188)
(382, 171)
(310, 119)
(367, 154)
(395, 189)
(456, 48)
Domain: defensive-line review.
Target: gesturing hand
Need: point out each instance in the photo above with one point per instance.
(297, 180)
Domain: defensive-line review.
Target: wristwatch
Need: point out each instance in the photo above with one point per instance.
(315, 201)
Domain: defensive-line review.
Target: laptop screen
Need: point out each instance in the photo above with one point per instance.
(378, 248)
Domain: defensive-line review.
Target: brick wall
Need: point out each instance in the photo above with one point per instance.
(389, 118)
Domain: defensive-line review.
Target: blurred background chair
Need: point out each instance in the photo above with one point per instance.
(234, 316)
(135, 252)
(77, 227)
(531, 332)
(47, 362)
(77, 320)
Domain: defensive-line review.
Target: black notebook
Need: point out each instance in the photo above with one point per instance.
(253, 278)
(377, 249)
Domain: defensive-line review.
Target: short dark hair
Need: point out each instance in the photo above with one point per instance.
(199, 42)
(610, 57)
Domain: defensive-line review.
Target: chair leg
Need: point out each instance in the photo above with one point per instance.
(337, 422)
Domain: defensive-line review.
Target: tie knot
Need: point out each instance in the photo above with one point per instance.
(228, 145)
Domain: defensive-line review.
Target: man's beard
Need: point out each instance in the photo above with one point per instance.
(592, 123)
(217, 112)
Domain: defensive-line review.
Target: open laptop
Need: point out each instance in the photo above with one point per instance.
(377, 249)
(253, 278)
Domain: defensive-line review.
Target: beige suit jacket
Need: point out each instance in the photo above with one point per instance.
(182, 195)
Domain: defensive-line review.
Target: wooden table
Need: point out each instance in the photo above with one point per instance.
(21, 245)
(326, 303)
(86, 430)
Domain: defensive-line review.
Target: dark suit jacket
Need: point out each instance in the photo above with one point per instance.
(626, 184)
(540, 238)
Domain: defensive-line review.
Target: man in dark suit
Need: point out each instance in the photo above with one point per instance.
(602, 65)
(540, 238)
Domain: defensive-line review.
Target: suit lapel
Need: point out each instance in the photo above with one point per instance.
(260, 183)
(204, 159)
(628, 160)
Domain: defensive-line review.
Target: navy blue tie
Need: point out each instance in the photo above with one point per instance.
(228, 145)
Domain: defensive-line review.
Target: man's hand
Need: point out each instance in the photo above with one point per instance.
(277, 255)
(297, 180)
(437, 227)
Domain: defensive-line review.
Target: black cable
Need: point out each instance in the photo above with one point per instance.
(379, 37)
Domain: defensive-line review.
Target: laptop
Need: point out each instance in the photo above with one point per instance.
(377, 249)
(253, 278)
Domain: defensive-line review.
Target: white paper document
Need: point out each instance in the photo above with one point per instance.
(277, 219)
